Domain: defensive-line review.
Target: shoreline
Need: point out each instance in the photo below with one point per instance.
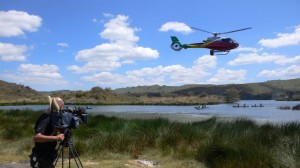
(185, 118)
(179, 117)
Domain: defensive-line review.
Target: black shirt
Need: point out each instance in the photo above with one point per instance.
(43, 125)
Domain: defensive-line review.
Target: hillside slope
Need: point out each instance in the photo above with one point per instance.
(275, 89)
(11, 92)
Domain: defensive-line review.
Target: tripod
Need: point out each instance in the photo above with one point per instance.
(68, 143)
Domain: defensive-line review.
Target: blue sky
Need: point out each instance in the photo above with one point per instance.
(76, 45)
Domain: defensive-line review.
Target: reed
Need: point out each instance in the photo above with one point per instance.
(239, 143)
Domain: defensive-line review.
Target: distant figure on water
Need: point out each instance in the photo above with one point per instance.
(260, 105)
(203, 106)
(244, 105)
(238, 105)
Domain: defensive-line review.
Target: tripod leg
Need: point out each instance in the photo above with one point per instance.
(69, 158)
(62, 157)
(75, 154)
(59, 149)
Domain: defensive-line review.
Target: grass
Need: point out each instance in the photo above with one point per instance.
(112, 142)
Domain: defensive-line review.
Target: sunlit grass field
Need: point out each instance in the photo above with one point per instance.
(113, 142)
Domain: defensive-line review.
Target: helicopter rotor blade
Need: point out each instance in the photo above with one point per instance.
(216, 34)
(195, 28)
(235, 30)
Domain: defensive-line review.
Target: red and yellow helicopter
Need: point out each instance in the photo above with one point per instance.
(214, 43)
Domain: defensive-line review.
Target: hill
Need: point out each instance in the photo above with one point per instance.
(275, 89)
(11, 92)
(96, 95)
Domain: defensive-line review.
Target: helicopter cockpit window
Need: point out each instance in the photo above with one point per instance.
(226, 40)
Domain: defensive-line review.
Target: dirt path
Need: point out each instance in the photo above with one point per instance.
(21, 164)
(130, 164)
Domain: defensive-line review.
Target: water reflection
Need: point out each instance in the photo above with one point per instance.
(268, 113)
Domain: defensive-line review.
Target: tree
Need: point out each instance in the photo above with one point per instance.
(232, 95)
(203, 94)
(96, 90)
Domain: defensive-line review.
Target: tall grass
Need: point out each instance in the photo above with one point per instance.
(240, 143)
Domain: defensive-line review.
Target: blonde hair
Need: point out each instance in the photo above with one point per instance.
(56, 103)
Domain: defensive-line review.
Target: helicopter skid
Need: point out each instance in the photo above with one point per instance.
(212, 52)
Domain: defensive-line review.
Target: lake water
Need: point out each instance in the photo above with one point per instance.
(268, 113)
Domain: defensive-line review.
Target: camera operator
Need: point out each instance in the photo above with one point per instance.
(46, 137)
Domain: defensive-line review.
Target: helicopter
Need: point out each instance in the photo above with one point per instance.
(216, 44)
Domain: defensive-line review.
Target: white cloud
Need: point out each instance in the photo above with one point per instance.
(11, 52)
(108, 15)
(255, 58)
(205, 62)
(283, 39)
(117, 80)
(158, 71)
(177, 74)
(225, 76)
(118, 30)
(116, 52)
(176, 26)
(246, 49)
(14, 23)
(201, 64)
(122, 49)
(283, 73)
(62, 44)
(45, 70)
(37, 74)
(97, 65)
(162, 75)
(107, 78)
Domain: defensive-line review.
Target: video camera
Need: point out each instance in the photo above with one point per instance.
(69, 118)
